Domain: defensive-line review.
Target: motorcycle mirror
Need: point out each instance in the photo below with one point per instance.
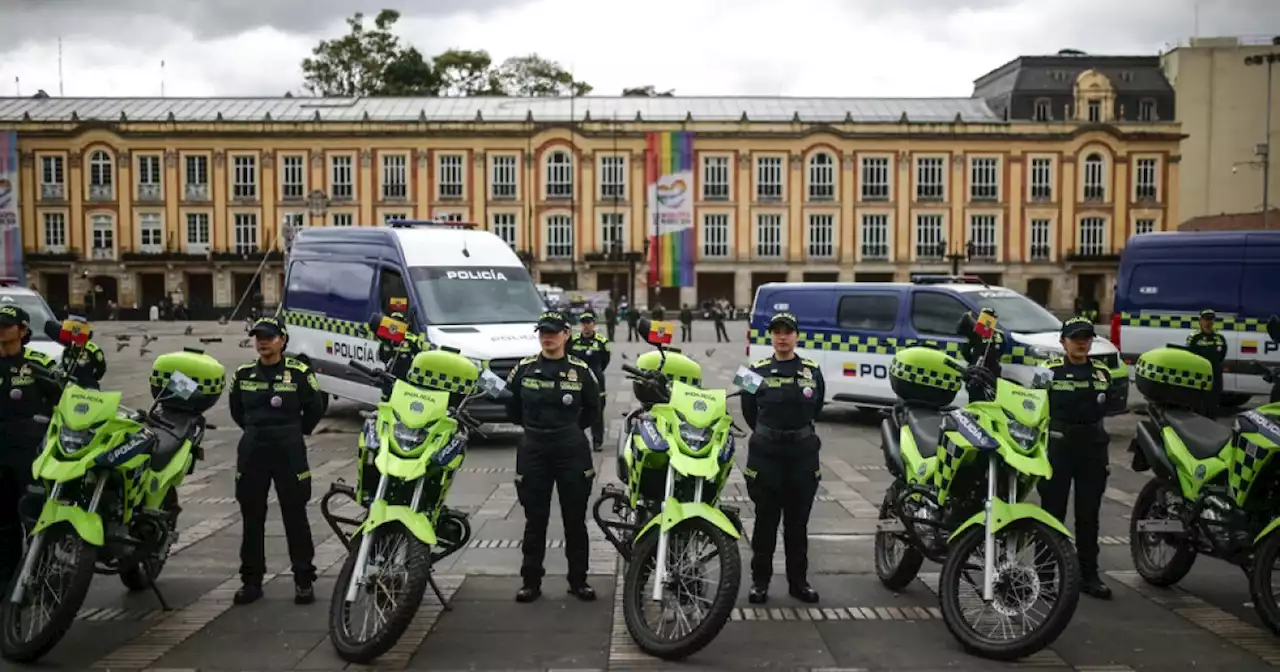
(746, 379)
(492, 385)
(53, 329)
(1273, 328)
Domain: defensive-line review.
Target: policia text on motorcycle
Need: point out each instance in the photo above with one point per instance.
(1208, 343)
(596, 350)
(27, 389)
(782, 462)
(276, 401)
(1078, 445)
(554, 396)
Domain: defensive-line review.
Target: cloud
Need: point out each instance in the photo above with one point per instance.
(697, 47)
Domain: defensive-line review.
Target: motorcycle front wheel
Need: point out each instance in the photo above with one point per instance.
(704, 571)
(55, 591)
(395, 578)
(1037, 587)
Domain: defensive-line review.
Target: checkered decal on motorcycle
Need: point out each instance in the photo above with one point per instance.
(926, 377)
(438, 381)
(207, 386)
(950, 460)
(1247, 462)
(1167, 376)
(884, 345)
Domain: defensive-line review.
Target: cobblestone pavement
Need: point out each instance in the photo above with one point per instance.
(1205, 624)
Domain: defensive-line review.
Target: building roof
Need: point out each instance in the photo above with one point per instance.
(497, 109)
(1241, 221)
(1040, 74)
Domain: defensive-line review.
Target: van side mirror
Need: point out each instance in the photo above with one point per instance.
(643, 324)
(1273, 328)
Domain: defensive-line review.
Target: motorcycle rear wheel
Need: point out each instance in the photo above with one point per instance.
(60, 541)
(1151, 504)
(412, 567)
(895, 570)
(1262, 585)
(636, 590)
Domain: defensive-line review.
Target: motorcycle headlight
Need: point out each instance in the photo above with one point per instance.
(693, 437)
(72, 441)
(408, 438)
(1024, 435)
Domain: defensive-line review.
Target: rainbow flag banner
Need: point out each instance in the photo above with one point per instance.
(669, 180)
(10, 228)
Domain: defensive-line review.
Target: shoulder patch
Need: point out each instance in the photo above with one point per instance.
(761, 362)
(37, 357)
(808, 362)
(528, 360)
(246, 367)
(296, 364)
(1055, 363)
(577, 362)
(1099, 365)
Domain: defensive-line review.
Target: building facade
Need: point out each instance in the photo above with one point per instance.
(1223, 108)
(139, 199)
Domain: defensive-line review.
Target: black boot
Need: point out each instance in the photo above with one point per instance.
(529, 593)
(805, 593)
(1092, 585)
(303, 593)
(759, 593)
(583, 592)
(248, 594)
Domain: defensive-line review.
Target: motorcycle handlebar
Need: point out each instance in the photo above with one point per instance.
(627, 368)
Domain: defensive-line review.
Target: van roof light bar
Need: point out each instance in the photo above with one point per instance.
(416, 223)
(947, 280)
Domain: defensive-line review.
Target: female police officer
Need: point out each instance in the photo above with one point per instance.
(782, 465)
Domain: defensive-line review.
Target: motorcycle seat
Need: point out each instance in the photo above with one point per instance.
(926, 427)
(170, 439)
(1203, 437)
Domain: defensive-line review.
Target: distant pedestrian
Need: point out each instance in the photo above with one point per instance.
(686, 323)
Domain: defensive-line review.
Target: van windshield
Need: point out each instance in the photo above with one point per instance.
(477, 295)
(36, 309)
(1016, 312)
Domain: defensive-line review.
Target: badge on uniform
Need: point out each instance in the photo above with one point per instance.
(808, 393)
(567, 399)
(573, 375)
(15, 394)
(25, 371)
(287, 378)
(804, 372)
(276, 402)
(1100, 375)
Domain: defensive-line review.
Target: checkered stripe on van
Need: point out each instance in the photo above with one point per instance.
(1153, 320)
(1164, 375)
(881, 345)
(327, 324)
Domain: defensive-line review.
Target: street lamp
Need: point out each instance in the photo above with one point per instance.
(1264, 150)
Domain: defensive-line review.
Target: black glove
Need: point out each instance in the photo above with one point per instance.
(980, 375)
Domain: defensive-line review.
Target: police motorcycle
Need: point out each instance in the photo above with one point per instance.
(111, 476)
(1216, 490)
(410, 450)
(679, 543)
(1010, 577)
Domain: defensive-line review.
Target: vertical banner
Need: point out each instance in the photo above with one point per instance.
(669, 179)
(10, 224)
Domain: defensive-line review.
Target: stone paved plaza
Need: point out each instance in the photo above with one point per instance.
(1206, 624)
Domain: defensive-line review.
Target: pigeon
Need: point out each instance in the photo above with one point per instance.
(188, 330)
(223, 319)
(121, 345)
(148, 339)
(246, 343)
(710, 351)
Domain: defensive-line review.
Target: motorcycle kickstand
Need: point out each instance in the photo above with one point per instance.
(435, 588)
(155, 588)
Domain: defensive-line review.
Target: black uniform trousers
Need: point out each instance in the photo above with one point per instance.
(686, 331)
(1215, 394)
(18, 449)
(278, 455)
(561, 459)
(720, 331)
(1080, 457)
(782, 481)
(597, 427)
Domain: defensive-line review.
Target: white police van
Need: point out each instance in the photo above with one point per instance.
(13, 295)
(465, 288)
(853, 329)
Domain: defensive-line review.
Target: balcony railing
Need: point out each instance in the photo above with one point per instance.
(875, 192)
(822, 192)
(450, 190)
(715, 192)
(503, 192)
(53, 192)
(559, 192)
(929, 192)
(150, 192)
(196, 192)
(875, 252)
(103, 254)
(101, 192)
(1093, 194)
(769, 192)
(1041, 194)
(1145, 193)
(1095, 253)
(982, 251)
(931, 251)
(1040, 252)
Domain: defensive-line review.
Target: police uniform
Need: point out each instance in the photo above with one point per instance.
(1077, 407)
(782, 465)
(1213, 347)
(554, 400)
(276, 405)
(90, 367)
(27, 389)
(596, 351)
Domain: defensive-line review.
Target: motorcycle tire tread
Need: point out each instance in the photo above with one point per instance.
(81, 578)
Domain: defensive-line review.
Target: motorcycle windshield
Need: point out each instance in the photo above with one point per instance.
(700, 408)
(415, 407)
(81, 409)
(1029, 407)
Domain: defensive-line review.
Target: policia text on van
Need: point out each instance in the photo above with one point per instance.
(455, 285)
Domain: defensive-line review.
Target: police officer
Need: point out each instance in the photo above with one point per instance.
(90, 366)
(276, 401)
(596, 350)
(782, 462)
(554, 396)
(686, 323)
(399, 357)
(1208, 343)
(1078, 450)
(983, 354)
(27, 389)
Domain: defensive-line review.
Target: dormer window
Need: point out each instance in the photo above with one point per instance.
(1043, 110)
(1095, 111)
(1147, 110)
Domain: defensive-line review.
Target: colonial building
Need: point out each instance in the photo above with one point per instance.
(149, 197)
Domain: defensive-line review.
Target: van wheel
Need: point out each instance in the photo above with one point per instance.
(324, 403)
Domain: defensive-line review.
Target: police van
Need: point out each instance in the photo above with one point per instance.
(13, 295)
(853, 329)
(1167, 278)
(464, 288)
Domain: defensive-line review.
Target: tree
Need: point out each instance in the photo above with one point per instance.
(368, 62)
(535, 76)
(647, 91)
(464, 72)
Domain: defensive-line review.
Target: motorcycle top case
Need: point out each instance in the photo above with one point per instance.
(208, 374)
(677, 366)
(1173, 376)
(443, 370)
(925, 376)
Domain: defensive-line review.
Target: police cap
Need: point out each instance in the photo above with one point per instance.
(1078, 327)
(1207, 312)
(268, 327)
(13, 315)
(552, 321)
(784, 319)
(587, 316)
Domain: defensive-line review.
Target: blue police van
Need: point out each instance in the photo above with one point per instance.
(1167, 278)
(853, 329)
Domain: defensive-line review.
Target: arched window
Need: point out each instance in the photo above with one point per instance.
(1095, 178)
(559, 175)
(822, 177)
